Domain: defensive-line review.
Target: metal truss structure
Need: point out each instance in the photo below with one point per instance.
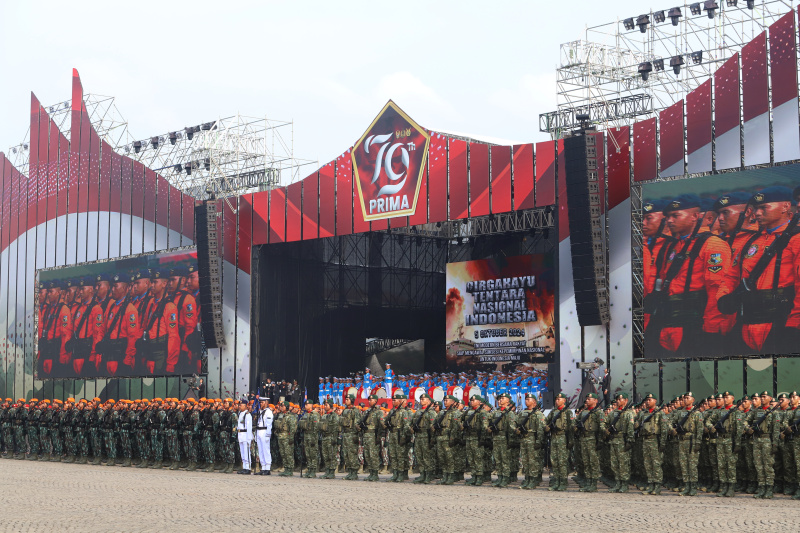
(530, 219)
(679, 48)
(637, 268)
(376, 346)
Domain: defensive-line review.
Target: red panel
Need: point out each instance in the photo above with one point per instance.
(175, 217)
(64, 187)
(501, 179)
(229, 230)
(94, 170)
(755, 87)
(5, 196)
(459, 180)
(115, 199)
(188, 216)
(245, 231)
(85, 153)
(644, 150)
(12, 181)
(137, 186)
(311, 207)
(376, 225)
(327, 203)
(783, 60)
(420, 216)
(261, 217)
(479, 179)
(162, 202)
(150, 182)
(726, 96)
(125, 187)
(698, 117)
(545, 173)
(344, 196)
(33, 164)
(44, 166)
(277, 215)
(523, 176)
(105, 176)
(563, 218)
(294, 204)
(671, 135)
(344, 165)
(437, 178)
(52, 174)
(619, 165)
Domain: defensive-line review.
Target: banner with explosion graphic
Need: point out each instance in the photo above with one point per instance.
(501, 312)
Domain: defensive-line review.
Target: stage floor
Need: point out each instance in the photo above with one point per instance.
(66, 497)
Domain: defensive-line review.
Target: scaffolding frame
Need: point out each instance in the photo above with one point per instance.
(599, 74)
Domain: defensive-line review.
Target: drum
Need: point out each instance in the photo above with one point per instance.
(436, 394)
(472, 390)
(379, 391)
(415, 393)
(348, 391)
(457, 391)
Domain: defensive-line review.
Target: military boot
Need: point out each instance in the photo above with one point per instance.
(449, 479)
(395, 475)
(692, 489)
(730, 493)
(192, 466)
(497, 481)
(470, 482)
(174, 466)
(504, 482)
(142, 464)
(648, 489)
(525, 481)
(287, 472)
(420, 479)
(229, 469)
(623, 486)
(796, 495)
(614, 487)
(791, 488)
(591, 485)
(768, 493)
(479, 480)
(209, 468)
(126, 462)
(403, 476)
(69, 459)
(157, 464)
(760, 492)
(723, 489)
(752, 487)
(534, 482)
(656, 489)
(312, 474)
(778, 487)
(714, 486)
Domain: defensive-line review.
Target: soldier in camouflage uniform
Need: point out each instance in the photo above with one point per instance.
(143, 422)
(442, 426)
(191, 427)
(618, 429)
(724, 424)
(421, 423)
(349, 422)
(529, 425)
(210, 418)
(158, 422)
(764, 427)
(688, 429)
(588, 430)
(45, 419)
(785, 483)
(67, 431)
(285, 427)
(175, 417)
(229, 428)
(80, 423)
(500, 423)
(791, 431)
(6, 427)
(559, 424)
(309, 424)
(108, 424)
(93, 414)
(32, 428)
(329, 429)
(652, 427)
(20, 421)
(393, 423)
(370, 425)
(127, 421)
(57, 431)
(474, 425)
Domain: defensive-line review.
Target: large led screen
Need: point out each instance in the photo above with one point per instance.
(721, 266)
(501, 311)
(134, 316)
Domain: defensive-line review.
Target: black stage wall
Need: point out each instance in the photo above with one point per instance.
(316, 302)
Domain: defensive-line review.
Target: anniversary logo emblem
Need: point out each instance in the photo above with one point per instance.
(389, 160)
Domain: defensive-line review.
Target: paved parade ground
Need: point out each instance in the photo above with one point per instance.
(56, 497)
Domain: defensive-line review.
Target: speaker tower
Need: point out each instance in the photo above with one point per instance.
(205, 223)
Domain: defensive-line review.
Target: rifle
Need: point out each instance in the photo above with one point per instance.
(792, 429)
(612, 429)
(418, 419)
(552, 425)
(720, 425)
(679, 426)
(580, 428)
(637, 430)
(362, 424)
(523, 431)
(494, 421)
(757, 429)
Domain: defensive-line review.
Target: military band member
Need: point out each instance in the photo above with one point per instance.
(263, 436)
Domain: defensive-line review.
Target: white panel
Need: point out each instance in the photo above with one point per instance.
(30, 271)
(243, 333)
(19, 313)
(81, 241)
(102, 234)
(228, 352)
(786, 132)
(569, 329)
(756, 140)
(93, 221)
(72, 239)
(174, 239)
(620, 297)
(137, 235)
(113, 235)
(673, 170)
(4, 323)
(149, 240)
(700, 160)
(161, 237)
(11, 301)
(728, 149)
(124, 234)
(50, 243)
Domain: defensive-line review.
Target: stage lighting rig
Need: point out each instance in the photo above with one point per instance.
(697, 57)
(645, 69)
(732, 3)
(659, 16)
(154, 142)
(751, 4)
(189, 133)
(676, 62)
(173, 137)
(658, 64)
(137, 146)
(710, 7)
(642, 21)
(695, 8)
(628, 23)
(674, 15)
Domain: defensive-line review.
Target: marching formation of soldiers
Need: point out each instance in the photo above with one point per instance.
(135, 323)
(716, 444)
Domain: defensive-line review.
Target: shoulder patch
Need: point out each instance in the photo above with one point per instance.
(714, 259)
(753, 250)
(714, 269)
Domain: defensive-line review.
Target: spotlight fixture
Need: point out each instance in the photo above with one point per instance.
(710, 7)
(177, 168)
(189, 133)
(51, 109)
(66, 105)
(207, 163)
(642, 21)
(137, 146)
(659, 16)
(658, 64)
(207, 126)
(14, 150)
(188, 168)
(154, 142)
(732, 3)
(751, 4)
(628, 23)
(645, 69)
(676, 62)
(695, 8)
(25, 146)
(697, 57)
(127, 148)
(173, 137)
(674, 15)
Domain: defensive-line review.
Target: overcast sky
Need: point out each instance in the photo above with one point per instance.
(482, 68)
